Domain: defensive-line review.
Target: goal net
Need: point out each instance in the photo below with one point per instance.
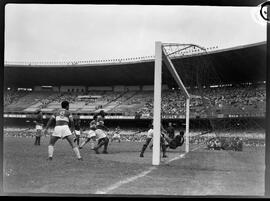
(205, 107)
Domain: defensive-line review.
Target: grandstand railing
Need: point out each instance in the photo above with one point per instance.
(104, 61)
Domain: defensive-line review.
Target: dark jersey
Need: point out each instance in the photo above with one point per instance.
(62, 117)
(176, 142)
(93, 125)
(39, 119)
(77, 126)
(170, 131)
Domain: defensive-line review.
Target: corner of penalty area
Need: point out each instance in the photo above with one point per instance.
(160, 57)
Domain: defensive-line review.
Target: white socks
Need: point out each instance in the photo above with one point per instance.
(77, 152)
(92, 144)
(50, 150)
(83, 143)
(75, 149)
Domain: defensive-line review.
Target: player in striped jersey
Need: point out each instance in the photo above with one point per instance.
(62, 118)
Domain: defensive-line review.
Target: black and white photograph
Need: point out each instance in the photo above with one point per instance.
(134, 100)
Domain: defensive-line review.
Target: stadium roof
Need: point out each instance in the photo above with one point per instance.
(234, 65)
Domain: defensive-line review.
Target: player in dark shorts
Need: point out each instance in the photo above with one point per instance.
(77, 127)
(149, 138)
(39, 125)
(62, 119)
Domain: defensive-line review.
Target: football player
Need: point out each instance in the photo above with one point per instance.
(62, 119)
(39, 124)
(149, 137)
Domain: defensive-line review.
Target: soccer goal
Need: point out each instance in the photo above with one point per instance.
(163, 57)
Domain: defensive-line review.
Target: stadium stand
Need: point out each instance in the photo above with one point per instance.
(224, 100)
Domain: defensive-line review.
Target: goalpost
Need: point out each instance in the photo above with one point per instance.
(160, 57)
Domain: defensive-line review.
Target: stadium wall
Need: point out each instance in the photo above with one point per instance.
(202, 124)
(47, 88)
(100, 88)
(72, 89)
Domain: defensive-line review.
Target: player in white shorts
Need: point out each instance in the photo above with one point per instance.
(91, 135)
(116, 134)
(62, 118)
(101, 136)
(100, 132)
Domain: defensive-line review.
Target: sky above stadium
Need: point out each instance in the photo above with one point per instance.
(36, 32)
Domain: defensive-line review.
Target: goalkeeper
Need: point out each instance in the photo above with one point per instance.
(175, 142)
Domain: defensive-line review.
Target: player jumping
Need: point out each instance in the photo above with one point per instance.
(62, 117)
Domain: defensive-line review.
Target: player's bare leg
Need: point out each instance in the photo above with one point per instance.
(38, 140)
(163, 147)
(38, 133)
(106, 142)
(101, 142)
(53, 140)
(39, 136)
(148, 140)
(35, 141)
(84, 143)
(75, 148)
(77, 139)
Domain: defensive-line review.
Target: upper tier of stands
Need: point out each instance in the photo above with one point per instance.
(220, 100)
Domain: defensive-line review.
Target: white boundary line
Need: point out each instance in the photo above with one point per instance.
(128, 180)
(142, 174)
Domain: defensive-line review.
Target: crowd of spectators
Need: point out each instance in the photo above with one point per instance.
(214, 100)
(11, 96)
(219, 100)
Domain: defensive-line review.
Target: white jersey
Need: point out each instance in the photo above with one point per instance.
(77, 132)
(91, 134)
(116, 135)
(100, 134)
(150, 133)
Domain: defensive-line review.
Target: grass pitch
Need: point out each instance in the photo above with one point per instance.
(123, 172)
